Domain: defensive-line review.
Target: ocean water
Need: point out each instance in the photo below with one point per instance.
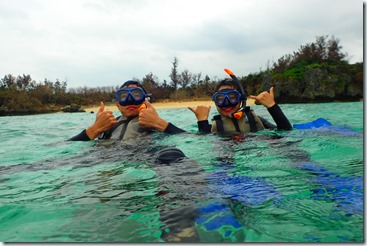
(271, 186)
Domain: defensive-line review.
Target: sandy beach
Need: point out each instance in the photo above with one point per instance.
(165, 105)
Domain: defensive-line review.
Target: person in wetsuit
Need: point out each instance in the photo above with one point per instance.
(228, 101)
(134, 120)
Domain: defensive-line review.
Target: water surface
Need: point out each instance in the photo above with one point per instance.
(298, 186)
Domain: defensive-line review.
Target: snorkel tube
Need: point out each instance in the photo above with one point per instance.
(238, 114)
(245, 110)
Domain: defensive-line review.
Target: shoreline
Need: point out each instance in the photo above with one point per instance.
(165, 105)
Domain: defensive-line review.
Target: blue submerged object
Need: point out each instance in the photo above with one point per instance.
(346, 191)
(221, 215)
(250, 191)
(324, 126)
(320, 122)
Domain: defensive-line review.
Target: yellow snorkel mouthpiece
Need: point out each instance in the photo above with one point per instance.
(143, 106)
(238, 115)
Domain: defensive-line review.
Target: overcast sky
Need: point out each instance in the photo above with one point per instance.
(106, 42)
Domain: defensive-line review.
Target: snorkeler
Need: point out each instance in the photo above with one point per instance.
(138, 116)
(234, 116)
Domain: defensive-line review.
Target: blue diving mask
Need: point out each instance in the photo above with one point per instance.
(226, 98)
(130, 96)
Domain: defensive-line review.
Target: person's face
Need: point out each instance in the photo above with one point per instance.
(228, 110)
(129, 110)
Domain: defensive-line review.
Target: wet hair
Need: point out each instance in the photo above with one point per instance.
(132, 82)
(228, 82)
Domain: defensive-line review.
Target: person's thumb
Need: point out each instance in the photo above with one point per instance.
(101, 109)
(148, 104)
(271, 91)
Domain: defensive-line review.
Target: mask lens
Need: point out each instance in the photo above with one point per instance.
(123, 95)
(219, 98)
(233, 97)
(137, 94)
(226, 98)
(130, 96)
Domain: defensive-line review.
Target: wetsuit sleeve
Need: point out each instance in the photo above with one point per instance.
(80, 137)
(204, 126)
(279, 118)
(172, 129)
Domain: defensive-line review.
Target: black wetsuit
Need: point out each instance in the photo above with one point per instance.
(125, 123)
(282, 123)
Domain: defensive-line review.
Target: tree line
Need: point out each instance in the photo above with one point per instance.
(298, 77)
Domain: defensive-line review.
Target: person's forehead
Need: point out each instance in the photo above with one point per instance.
(132, 85)
(223, 87)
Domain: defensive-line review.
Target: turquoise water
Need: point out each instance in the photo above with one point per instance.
(298, 186)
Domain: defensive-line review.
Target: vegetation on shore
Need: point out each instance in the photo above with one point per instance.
(317, 72)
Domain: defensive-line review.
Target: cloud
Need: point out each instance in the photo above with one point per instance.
(102, 43)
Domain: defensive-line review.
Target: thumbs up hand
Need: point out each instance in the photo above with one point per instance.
(104, 121)
(149, 118)
(265, 98)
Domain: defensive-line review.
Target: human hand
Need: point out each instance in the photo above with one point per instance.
(201, 112)
(149, 118)
(265, 98)
(104, 121)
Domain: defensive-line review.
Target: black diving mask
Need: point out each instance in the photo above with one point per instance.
(130, 96)
(226, 98)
